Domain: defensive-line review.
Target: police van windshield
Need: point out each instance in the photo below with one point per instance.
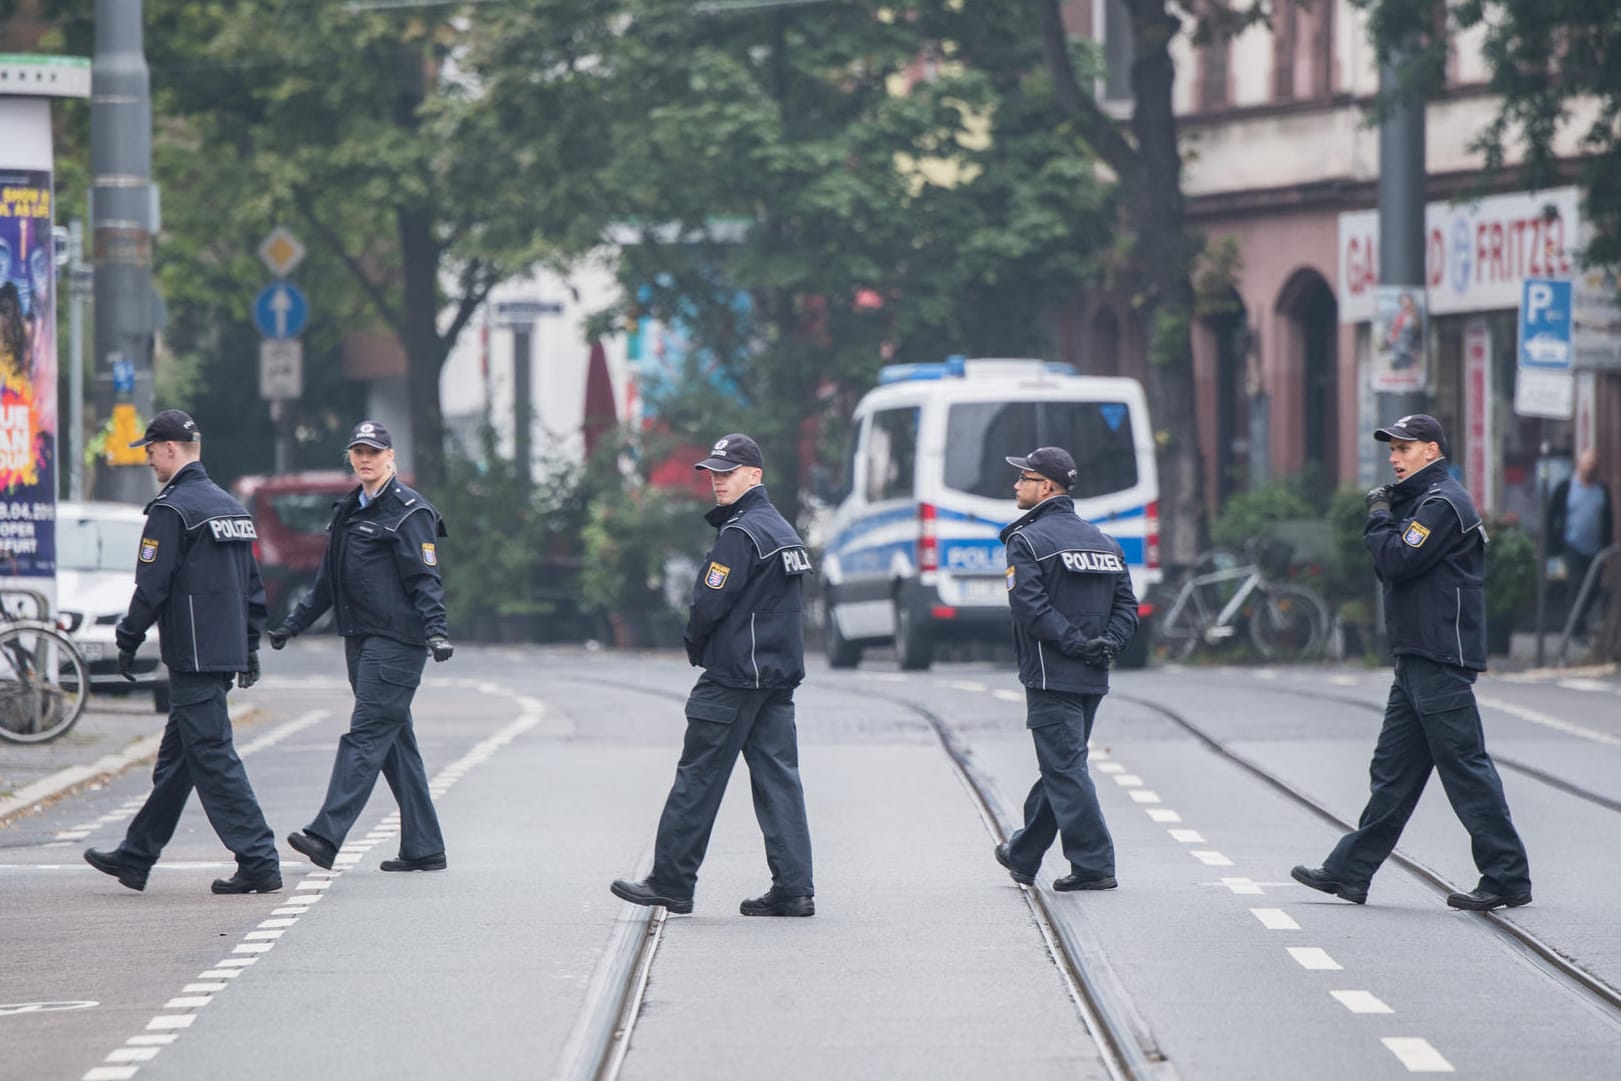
(980, 436)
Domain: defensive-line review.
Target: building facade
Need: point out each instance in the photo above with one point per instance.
(1280, 174)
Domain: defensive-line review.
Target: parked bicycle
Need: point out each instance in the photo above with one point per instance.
(44, 680)
(1226, 598)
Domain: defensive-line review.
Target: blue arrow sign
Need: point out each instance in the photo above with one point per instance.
(280, 311)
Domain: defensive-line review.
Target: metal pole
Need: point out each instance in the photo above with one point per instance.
(522, 399)
(1542, 534)
(76, 298)
(1401, 206)
(122, 223)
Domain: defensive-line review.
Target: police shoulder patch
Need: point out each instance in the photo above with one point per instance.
(1010, 579)
(715, 578)
(430, 556)
(1417, 533)
(149, 549)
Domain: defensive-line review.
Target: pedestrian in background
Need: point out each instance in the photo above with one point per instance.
(744, 630)
(197, 579)
(380, 578)
(1073, 612)
(1580, 526)
(1429, 552)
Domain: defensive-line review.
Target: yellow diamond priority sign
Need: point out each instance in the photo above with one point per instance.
(281, 251)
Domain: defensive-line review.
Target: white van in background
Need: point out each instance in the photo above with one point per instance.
(912, 555)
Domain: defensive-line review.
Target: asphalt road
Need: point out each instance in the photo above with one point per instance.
(923, 959)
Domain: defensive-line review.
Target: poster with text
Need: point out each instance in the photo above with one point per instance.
(27, 376)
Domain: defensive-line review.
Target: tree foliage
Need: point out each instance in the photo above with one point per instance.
(1556, 65)
(801, 206)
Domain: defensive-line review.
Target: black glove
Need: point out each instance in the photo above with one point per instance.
(278, 637)
(440, 647)
(244, 680)
(1099, 652)
(1379, 500)
(126, 664)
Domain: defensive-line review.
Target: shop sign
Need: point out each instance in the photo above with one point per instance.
(1477, 413)
(1476, 254)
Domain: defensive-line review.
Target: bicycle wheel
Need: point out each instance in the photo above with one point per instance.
(1182, 630)
(44, 683)
(1287, 623)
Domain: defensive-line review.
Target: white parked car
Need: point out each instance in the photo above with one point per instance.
(96, 548)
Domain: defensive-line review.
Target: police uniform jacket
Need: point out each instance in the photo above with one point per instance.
(744, 625)
(380, 571)
(1430, 555)
(1067, 582)
(196, 578)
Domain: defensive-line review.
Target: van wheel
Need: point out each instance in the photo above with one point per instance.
(160, 697)
(913, 647)
(841, 652)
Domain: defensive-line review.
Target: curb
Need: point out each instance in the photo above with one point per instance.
(66, 781)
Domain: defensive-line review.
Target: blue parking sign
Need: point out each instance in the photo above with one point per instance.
(1545, 322)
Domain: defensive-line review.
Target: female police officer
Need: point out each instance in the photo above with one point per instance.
(1429, 551)
(380, 577)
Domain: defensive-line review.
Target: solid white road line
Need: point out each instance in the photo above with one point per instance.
(1417, 1055)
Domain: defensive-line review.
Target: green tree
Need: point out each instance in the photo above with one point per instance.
(798, 211)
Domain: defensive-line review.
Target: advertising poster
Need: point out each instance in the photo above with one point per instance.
(27, 376)
(1398, 339)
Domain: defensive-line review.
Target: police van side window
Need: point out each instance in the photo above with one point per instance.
(891, 454)
(1097, 434)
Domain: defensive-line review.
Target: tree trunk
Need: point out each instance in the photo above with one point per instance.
(425, 350)
(1164, 259)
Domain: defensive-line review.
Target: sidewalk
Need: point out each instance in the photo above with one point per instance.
(113, 735)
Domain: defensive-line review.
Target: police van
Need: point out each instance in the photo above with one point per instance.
(912, 554)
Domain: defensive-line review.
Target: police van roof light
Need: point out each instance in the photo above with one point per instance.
(958, 366)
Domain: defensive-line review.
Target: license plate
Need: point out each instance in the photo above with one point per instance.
(90, 650)
(981, 590)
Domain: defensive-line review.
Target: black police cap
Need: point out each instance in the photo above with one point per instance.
(1054, 463)
(731, 451)
(170, 426)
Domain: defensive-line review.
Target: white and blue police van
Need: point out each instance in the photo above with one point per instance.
(912, 554)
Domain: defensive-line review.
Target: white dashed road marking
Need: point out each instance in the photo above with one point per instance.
(1144, 795)
(1361, 1002)
(1186, 837)
(1243, 886)
(1276, 919)
(162, 1029)
(1163, 814)
(1314, 957)
(1128, 780)
(1548, 721)
(1417, 1055)
(1211, 858)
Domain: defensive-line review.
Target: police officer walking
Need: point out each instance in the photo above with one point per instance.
(1429, 552)
(196, 578)
(744, 630)
(1073, 611)
(380, 577)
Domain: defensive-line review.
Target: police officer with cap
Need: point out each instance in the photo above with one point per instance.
(380, 577)
(196, 578)
(744, 630)
(1073, 610)
(1429, 552)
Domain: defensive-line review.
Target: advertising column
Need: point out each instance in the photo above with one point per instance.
(28, 464)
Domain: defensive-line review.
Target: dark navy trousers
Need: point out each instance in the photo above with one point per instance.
(721, 723)
(1063, 802)
(197, 752)
(384, 674)
(1431, 721)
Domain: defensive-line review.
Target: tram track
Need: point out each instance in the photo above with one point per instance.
(1508, 762)
(1543, 955)
(597, 1047)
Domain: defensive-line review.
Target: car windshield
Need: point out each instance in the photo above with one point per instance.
(94, 544)
(303, 512)
(979, 436)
